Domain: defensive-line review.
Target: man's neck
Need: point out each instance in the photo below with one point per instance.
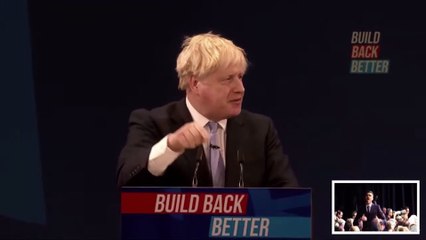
(200, 118)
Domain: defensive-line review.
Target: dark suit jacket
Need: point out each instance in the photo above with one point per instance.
(375, 211)
(253, 135)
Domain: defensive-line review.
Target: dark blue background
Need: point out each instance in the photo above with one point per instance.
(93, 62)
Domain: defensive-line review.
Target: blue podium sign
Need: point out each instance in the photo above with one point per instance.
(206, 213)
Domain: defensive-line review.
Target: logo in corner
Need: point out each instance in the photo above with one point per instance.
(366, 52)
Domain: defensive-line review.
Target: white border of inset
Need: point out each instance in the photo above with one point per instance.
(417, 182)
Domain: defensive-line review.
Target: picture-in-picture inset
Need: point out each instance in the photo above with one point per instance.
(375, 207)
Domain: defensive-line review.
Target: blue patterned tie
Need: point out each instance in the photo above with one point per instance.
(216, 162)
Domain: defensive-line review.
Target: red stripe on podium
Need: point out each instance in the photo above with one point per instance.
(138, 202)
(184, 203)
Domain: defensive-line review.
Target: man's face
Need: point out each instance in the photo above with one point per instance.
(221, 93)
(369, 197)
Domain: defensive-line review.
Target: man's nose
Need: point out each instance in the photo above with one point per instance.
(239, 87)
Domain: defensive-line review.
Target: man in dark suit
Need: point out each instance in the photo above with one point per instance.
(370, 214)
(173, 145)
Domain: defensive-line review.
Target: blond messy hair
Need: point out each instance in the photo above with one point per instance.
(204, 53)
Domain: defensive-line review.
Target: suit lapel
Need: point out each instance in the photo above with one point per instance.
(181, 114)
(234, 142)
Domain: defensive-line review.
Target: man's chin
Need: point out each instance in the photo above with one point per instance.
(234, 113)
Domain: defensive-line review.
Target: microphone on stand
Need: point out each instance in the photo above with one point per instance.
(240, 159)
(199, 157)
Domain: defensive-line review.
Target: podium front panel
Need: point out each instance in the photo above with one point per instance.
(209, 213)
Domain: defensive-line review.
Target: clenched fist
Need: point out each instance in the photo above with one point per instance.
(188, 136)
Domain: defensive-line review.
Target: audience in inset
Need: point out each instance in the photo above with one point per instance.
(372, 218)
(339, 221)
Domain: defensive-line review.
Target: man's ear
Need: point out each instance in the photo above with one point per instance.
(193, 84)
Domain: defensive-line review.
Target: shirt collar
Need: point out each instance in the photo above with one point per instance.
(200, 119)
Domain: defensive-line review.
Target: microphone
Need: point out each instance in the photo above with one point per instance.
(214, 146)
(197, 165)
(240, 158)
